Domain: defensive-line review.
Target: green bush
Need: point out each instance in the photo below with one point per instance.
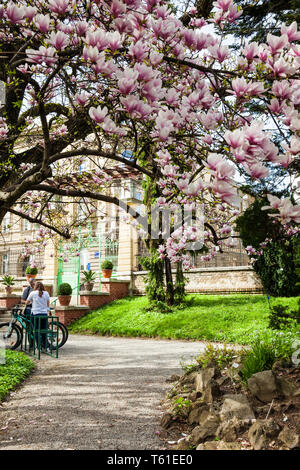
(261, 357)
(107, 264)
(64, 289)
(16, 368)
(276, 269)
(282, 317)
(221, 356)
(279, 264)
(30, 270)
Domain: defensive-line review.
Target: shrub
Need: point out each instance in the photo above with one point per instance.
(280, 317)
(64, 289)
(16, 368)
(279, 264)
(30, 270)
(261, 357)
(220, 356)
(107, 264)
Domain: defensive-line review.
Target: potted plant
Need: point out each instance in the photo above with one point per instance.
(8, 282)
(64, 293)
(88, 278)
(106, 268)
(31, 272)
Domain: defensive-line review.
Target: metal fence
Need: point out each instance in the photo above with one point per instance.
(235, 256)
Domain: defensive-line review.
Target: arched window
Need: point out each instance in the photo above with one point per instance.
(6, 223)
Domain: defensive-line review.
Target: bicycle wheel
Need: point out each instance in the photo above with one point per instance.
(61, 336)
(65, 330)
(11, 335)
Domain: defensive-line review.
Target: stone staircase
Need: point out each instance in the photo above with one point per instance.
(5, 315)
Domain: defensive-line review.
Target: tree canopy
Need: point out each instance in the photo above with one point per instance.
(96, 78)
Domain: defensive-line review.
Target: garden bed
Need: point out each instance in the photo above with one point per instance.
(16, 368)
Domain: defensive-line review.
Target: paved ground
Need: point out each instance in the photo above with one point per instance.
(102, 393)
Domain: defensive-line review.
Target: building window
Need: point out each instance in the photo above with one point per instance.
(25, 263)
(26, 225)
(84, 166)
(6, 223)
(5, 263)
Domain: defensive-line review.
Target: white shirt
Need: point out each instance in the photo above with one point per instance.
(39, 304)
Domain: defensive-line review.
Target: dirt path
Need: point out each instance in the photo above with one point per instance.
(102, 393)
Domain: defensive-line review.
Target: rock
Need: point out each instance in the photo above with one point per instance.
(203, 379)
(224, 380)
(287, 388)
(228, 431)
(173, 378)
(263, 386)
(236, 406)
(290, 438)
(196, 411)
(211, 392)
(208, 445)
(184, 445)
(228, 446)
(166, 420)
(281, 364)
(188, 378)
(193, 396)
(261, 432)
(207, 428)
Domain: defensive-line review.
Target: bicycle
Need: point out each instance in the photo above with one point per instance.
(19, 322)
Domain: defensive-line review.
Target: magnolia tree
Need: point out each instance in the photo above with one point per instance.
(132, 75)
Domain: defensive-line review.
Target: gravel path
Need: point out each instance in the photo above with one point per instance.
(101, 393)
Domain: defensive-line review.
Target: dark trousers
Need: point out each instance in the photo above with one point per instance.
(40, 322)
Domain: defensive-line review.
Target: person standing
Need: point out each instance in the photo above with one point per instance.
(25, 296)
(40, 300)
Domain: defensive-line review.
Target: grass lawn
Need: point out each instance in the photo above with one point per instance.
(227, 318)
(17, 366)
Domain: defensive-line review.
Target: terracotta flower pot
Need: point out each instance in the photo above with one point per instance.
(8, 289)
(30, 276)
(106, 273)
(64, 300)
(88, 286)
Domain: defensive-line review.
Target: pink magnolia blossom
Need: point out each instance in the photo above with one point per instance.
(81, 98)
(277, 43)
(223, 4)
(195, 188)
(139, 51)
(251, 50)
(234, 138)
(282, 89)
(60, 6)
(42, 22)
(226, 192)
(59, 40)
(127, 81)
(47, 55)
(258, 170)
(275, 202)
(30, 12)
(288, 212)
(291, 31)
(98, 114)
(15, 14)
(219, 52)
